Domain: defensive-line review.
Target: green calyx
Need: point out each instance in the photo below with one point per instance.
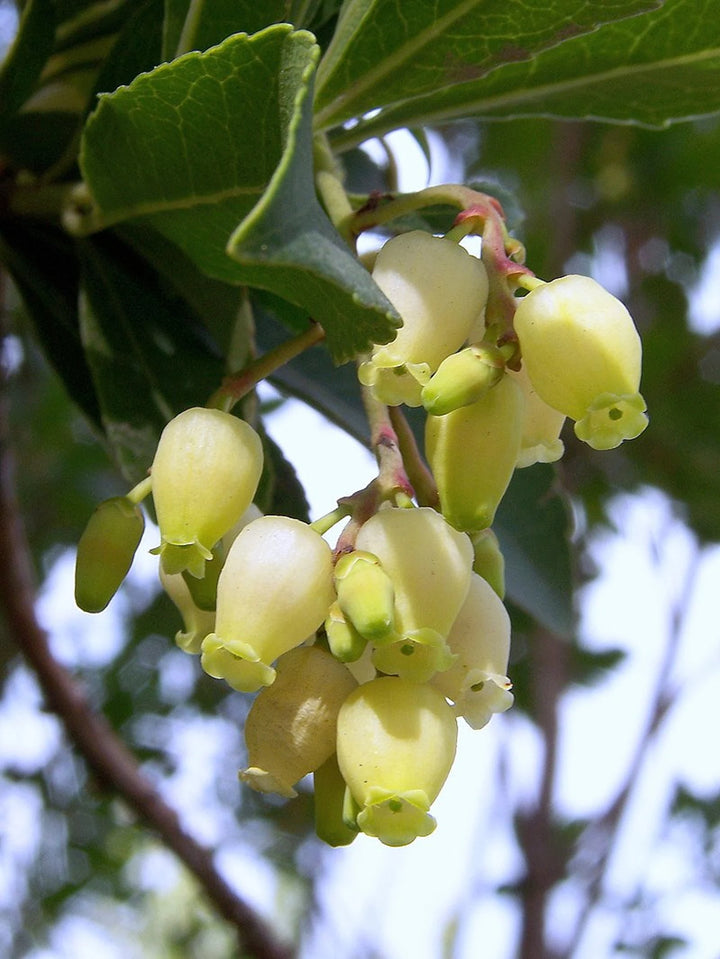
(182, 557)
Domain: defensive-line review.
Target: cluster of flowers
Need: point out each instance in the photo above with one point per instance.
(364, 658)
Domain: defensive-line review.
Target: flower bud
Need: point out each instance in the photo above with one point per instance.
(365, 595)
(472, 453)
(583, 356)
(489, 561)
(204, 476)
(438, 289)
(396, 743)
(429, 564)
(345, 642)
(291, 728)
(105, 552)
(329, 788)
(197, 622)
(480, 639)
(274, 591)
(463, 378)
(540, 441)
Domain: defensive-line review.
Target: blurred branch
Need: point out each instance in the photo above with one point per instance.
(110, 760)
(600, 839)
(545, 859)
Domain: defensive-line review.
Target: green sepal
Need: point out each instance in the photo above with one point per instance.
(105, 552)
(204, 590)
(179, 557)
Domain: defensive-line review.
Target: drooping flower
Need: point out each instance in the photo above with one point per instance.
(583, 356)
(291, 728)
(429, 565)
(476, 682)
(472, 453)
(204, 475)
(396, 743)
(439, 290)
(274, 590)
(541, 425)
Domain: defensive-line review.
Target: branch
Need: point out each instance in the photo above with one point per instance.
(601, 837)
(545, 859)
(109, 758)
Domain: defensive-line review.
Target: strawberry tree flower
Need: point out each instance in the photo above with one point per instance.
(197, 622)
(480, 639)
(583, 356)
(438, 289)
(429, 564)
(204, 476)
(396, 743)
(541, 426)
(274, 591)
(472, 453)
(291, 728)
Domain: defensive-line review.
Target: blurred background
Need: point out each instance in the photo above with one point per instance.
(585, 822)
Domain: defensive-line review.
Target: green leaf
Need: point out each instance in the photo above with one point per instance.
(197, 26)
(27, 55)
(287, 245)
(43, 264)
(222, 138)
(219, 305)
(533, 527)
(380, 57)
(150, 356)
(653, 69)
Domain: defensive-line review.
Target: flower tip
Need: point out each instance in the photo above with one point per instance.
(397, 820)
(263, 781)
(611, 420)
